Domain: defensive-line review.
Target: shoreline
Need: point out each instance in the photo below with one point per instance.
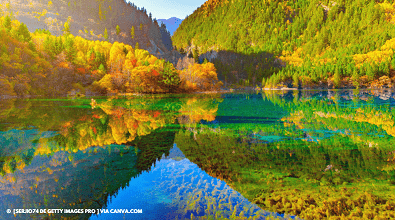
(222, 91)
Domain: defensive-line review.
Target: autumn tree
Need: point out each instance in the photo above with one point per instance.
(50, 4)
(200, 77)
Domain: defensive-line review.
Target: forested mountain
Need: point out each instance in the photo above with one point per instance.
(172, 24)
(297, 43)
(112, 20)
(40, 63)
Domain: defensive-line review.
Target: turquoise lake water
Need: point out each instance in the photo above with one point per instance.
(255, 155)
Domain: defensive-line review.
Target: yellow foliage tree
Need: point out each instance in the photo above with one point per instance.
(200, 77)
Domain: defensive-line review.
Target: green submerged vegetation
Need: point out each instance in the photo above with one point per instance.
(331, 158)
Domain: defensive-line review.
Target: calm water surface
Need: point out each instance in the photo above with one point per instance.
(267, 155)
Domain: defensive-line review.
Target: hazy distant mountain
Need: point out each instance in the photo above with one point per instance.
(171, 24)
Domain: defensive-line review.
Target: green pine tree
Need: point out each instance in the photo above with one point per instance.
(7, 23)
(24, 32)
(295, 79)
(118, 29)
(370, 72)
(69, 48)
(195, 55)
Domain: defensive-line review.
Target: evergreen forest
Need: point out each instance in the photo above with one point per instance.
(308, 44)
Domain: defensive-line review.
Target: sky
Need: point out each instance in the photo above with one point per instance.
(165, 9)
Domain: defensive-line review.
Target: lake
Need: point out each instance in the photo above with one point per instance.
(245, 155)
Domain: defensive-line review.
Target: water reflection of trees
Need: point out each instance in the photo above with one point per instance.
(361, 120)
(78, 165)
(80, 125)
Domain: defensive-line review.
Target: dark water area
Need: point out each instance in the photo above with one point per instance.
(257, 155)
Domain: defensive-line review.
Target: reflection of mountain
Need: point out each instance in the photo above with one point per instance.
(179, 189)
(80, 180)
(75, 181)
(152, 147)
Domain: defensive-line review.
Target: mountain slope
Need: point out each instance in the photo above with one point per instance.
(172, 24)
(90, 19)
(304, 41)
(40, 63)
